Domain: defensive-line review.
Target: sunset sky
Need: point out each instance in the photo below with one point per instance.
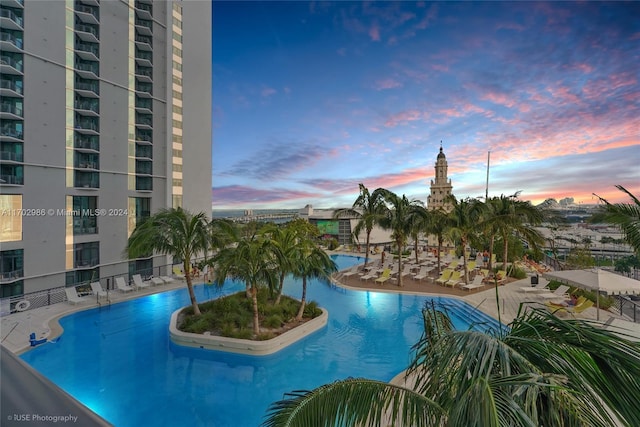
(310, 99)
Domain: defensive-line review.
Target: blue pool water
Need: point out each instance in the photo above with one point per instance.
(120, 362)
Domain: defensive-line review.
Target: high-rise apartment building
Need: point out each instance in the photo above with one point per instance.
(105, 118)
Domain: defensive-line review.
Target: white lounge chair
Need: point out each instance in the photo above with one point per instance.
(72, 296)
(122, 286)
(96, 287)
(351, 272)
(167, 279)
(560, 292)
(422, 274)
(541, 286)
(138, 282)
(157, 281)
(477, 283)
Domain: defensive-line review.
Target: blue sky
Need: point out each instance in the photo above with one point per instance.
(312, 98)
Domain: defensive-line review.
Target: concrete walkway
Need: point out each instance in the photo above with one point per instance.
(16, 327)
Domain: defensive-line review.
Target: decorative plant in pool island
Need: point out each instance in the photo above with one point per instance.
(174, 232)
(541, 371)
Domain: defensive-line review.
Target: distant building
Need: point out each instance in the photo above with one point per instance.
(441, 187)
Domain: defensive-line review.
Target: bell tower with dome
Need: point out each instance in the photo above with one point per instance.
(441, 187)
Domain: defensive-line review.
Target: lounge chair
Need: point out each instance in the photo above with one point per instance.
(558, 293)
(167, 279)
(577, 309)
(177, 272)
(138, 282)
(351, 272)
(422, 274)
(72, 296)
(122, 286)
(157, 281)
(406, 270)
(541, 286)
(386, 275)
(96, 287)
(477, 283)
(444, 276)
(454, 279)
(371, 275)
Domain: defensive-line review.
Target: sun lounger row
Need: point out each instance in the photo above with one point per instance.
(121, 285)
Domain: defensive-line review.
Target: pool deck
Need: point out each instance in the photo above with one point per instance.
(16, 328)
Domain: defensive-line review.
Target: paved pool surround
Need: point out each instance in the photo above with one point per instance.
(242, 346)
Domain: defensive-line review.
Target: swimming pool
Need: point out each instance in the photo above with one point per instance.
(120, 362)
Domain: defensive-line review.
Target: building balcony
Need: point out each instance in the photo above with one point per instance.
(94, 3)
(87, 89)
(87, 70)
(87, 51)
(144, 138)
(87, 126)
(11, 88)
(85, 263)
(87, 33)
(11, 42)
(85, 225)
(11, 174)
(144, 10)
(144, 58)
(86, 107)
(86, 143)
(144, 167)
(11, 156)
(144, 90)
(144, 121)
(144, 42)
(12, 132)
(16, 4)
(11, 276)
(87, 14)
(10, 20)
(11, 110)
(144, 152)
(144, 183)
(144, 105)
(144, 27)
(144, 74)
(11, 65)
(86, 179)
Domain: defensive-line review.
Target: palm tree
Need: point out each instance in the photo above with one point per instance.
(419, 224)
(367, 208)
(399, 214)
(251, 259)
(310, 262)
(174, 232)
(439, 224)
(465, 216)
(625, 216)
(541, 371)
(507, 215)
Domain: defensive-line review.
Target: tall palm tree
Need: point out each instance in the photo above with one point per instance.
(174, 232)
(419, 224)
(439, 225)
(465, 216)
(367, 208)
(541, 371)
(508, 215)
(625, 216)
(399, 214)
(251, 259)
(310, 262)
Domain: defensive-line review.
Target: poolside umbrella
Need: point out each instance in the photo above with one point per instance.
(29, 399)
(597, 280)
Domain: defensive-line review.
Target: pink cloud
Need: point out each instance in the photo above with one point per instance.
(374, 32)
(387, 84)
(403, 118)
(268, 91)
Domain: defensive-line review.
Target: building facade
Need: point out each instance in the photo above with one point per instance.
(441, 187)
(106, 109)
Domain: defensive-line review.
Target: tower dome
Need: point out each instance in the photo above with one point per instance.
(441, 154)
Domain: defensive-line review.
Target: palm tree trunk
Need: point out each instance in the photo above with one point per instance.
(415, 248)
(439, 250)
(192, 295)
(366, 255)
(489, 263)
(280, 289)
(256, 319)
(505, 253)
(398, 243)
(303, 300)
(464, 260)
